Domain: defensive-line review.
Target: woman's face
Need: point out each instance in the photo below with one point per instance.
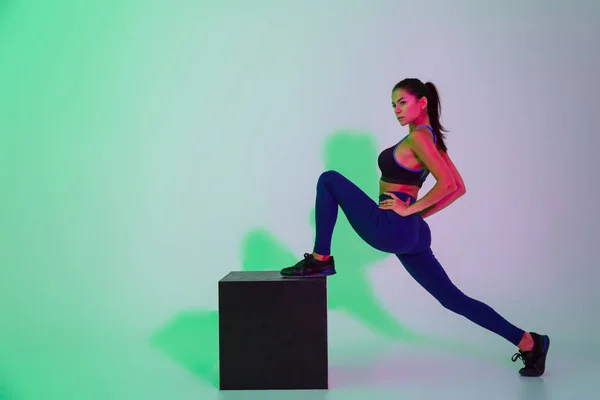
(406, 106)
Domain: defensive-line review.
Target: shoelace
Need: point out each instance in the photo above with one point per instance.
(305, 262)
(518, 355)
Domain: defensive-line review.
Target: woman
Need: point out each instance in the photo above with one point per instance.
(396, 225)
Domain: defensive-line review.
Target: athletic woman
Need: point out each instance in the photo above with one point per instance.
(396, 224)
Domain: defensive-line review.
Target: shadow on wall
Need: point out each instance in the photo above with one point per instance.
(191, 338)
(353, 155)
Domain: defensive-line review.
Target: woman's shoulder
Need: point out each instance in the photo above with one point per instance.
(421, 136)
(422, 132)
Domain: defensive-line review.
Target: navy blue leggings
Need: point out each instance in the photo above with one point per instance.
(409, 238)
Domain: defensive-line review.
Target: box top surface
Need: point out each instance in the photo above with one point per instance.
(255, 276)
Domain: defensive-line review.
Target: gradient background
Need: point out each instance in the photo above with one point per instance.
(149, 148)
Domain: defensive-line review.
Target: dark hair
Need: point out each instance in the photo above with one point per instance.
(434, 108)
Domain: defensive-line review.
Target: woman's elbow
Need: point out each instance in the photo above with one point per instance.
(450, 185)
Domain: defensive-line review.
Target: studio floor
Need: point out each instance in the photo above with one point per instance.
(392, 371)
(367, 369)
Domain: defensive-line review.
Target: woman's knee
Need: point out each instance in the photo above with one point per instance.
(328, 177)
(453, 299)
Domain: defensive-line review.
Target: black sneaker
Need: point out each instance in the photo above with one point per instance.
(309, 267)
(534, 360)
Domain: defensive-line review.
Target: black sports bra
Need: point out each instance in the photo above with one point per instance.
(394, 172)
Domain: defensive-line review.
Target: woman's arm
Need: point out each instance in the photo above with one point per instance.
(421, 143)
(443, 203)
(449, 199)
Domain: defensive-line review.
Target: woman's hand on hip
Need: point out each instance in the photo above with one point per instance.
(395, 204)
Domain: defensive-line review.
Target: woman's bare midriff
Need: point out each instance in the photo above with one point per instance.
(396, 187)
